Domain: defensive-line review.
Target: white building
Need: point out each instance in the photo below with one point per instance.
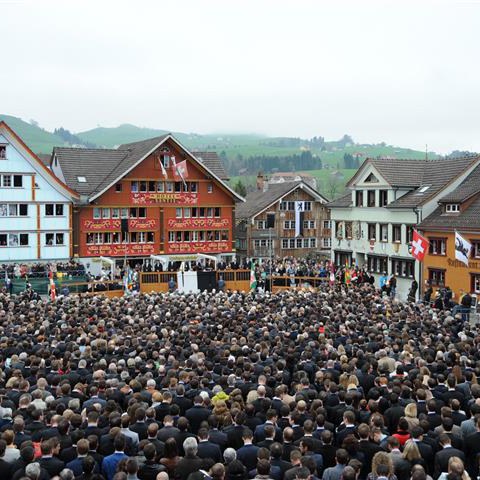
(35, 207)
(372, 225)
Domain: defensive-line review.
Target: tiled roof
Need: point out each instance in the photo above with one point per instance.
(400, 172)
(213, 162)
(259, 200)
(467, 220)
(92, 163)
(470, 186)
(45, 158)
(344, 201)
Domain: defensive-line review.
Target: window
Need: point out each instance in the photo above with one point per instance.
(178, 213)
(17, 181)
(327, 242)
(397, 233)
(24, 239)
(299, 243)
(134, 186)
(59, 239)
(13, 210)
(116, 237)
(105, 213)
(289, 225)
(209, 212)
(143, 186)
(142, 237)
(209, 187)
(133, 213)
(475, 283)
(410, 229)
(97, 213)
(152, 186)
(202, 212)
(166, 160)
(383, 198)
(403, 268)
(348, 230)
(171, 237)
(52, 209)
(115, 213)
(169, 187)
(142, 212)
(186, 213)
(284, 243)
(178, 187)
(475, 248)
(107, 237)
(377, 264)
(452, 208)
(23, 209)
(3, 152)
(438, 246)
(307, 206)
(194, 187)
(291, 243)
(160, 187)
(124, 213)
(359, 198)
(327, 224)
(81, 180)
(133, 237)
(49, 239)
(283, 205)
(384, 232)
(436, 276)
(372, 231)
(371, 198)
(118, 187)
(7, 181)
(194, 212)
(3, 240)
(217, 212)
(261, 224)
(150, 237)
(309, 224)
(90, 239)
(13, 240)
(423, 189)
(98, 238)
(313, 243)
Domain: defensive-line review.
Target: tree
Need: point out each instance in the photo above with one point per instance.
(240, 188)
(348, 160)
(333, 187)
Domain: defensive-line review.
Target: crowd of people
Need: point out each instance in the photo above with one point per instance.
(42, 270)
(344, 383)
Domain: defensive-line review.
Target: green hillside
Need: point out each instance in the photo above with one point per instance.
(38, 139)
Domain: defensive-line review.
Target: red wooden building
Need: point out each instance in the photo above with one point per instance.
(151, 197)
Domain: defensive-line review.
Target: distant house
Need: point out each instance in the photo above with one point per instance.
(283, 177)
(269, 222)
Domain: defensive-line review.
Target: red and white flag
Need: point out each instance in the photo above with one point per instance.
(419, 246)
(53, 292)
(181, 171)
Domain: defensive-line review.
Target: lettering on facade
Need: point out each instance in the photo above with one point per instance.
(457, 263)
(198, 247)
(178, 198)
(115, 224)
(198, 223)
(119, 250)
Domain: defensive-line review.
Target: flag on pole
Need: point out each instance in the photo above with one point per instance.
(162, 166)
(348, 277)
(462, 248)
(253, 278)
(419, 246)
(181, 172)
(299, 215)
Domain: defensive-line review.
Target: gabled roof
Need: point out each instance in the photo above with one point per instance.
(102, 168)
(469, 187)
(259, 200)
(51, 178)
(92, 163)
(213, 162)
(344, 201)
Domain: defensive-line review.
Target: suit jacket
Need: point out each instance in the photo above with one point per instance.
(141, 429)
(328, 453)
(150, 470)
(248, 456)
(401, 466)
(234, 435)
(218, 437)
(472, 449)
(52, 465)
(186, 466)
(76, 466)
(209, 450)
(196, 415)
(168, 432)
(5, 469)
(317, 444)
(442, 457)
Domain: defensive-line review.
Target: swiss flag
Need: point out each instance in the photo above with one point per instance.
(181, 171)
(419, 246)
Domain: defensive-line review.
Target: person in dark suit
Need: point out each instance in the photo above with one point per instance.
(190, 462)
(276, 458)
(235, 432)
(183, 402)
(434, 419)
(5, 467)
(168, 430)
(215, 435)
(70, 453)
(47, 461)
(150, 468)
(347, 427)
(443, 456)
(207, 449)
(197, 414)
(247, 454)
(393, 414)
(426, 450)
(76, 465)
(472, 449)
(368, 447)
(328, 450)
(140, 426)
(269, 432)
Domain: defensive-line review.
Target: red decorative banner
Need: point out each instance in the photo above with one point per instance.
(115, 224)
(119, 250)
(198, 223)
(178, 198)
(199, 247)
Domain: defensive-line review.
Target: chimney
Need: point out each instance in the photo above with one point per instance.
(260, 181)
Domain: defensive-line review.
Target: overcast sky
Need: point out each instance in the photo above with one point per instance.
(404, 72)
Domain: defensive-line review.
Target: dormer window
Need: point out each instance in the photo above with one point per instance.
(452, 207)
(3, 152)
